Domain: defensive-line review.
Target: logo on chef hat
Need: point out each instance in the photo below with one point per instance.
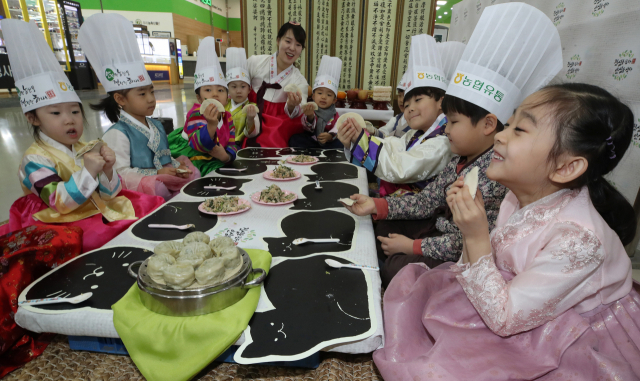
(220, 74)
(558, 14)
(623, 65)
(109, 74)
(573, 66)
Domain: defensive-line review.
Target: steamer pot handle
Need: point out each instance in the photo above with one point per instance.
(132, 273)
(258, 281)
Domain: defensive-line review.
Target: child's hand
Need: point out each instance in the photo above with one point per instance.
(184, 168)
(471, 218)
(293, 100)
(364, 205)
(396, 244)
(220, 153)
(169, 170)
(94, 163)
(252, 111)
(109, 158)
(325, 137)
(212, 115)
(308, 110)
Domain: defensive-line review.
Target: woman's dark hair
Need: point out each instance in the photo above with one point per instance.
(109, 106)
(298, 32)
(451, 104)
(592, 123)
(431, 92)
(35, 130)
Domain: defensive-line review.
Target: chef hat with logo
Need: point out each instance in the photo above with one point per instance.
(424, 68)
(237, 67)
(110, 44)
(39, 78)
(208, 69)
(402, 85)
(450, 54)
(328, 74)
(513, 51)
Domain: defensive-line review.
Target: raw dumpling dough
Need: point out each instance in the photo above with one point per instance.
(179, 276)
(157, 264)
(343, 119)
(220, 243)
(231, 257)
(292, 88)
(199, 248)
(210, 271)
(347, 201)
(471, 180)
(196, 237)
(206, 104)
(169, 247)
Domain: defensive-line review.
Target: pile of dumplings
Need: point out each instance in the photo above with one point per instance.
(197, 259)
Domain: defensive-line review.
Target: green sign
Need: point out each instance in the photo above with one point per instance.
(207, 2)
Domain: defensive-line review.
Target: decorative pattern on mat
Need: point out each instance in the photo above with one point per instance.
(60, 363)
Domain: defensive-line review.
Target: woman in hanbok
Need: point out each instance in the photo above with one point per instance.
(548, 294)
(279, 111)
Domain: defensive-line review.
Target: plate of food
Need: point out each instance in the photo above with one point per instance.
(302, 160)
(224, 205)
(282, 173)
(273, 195)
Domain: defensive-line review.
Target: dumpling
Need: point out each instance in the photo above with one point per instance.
(210, 271)
(196, 237)
(179, 276)
(172, 248)
(199, 248)
(157, 263)
(231, 257)
(220, 243)
(192, 258)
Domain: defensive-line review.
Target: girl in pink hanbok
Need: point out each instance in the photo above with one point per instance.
(548, 293)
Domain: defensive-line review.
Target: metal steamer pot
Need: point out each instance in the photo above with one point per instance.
(195, 301)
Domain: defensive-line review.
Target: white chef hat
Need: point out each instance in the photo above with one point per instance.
(237, 67)
(111, 47)
(402, 85)
(39, 79)
(328, 74)
(450, 54)
(513, 51)
(424, 67)
(208, 69)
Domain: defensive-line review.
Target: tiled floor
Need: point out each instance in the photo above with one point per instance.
(15, 134)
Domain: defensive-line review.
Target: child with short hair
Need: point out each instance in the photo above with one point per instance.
(320, 125)
(405, 165)
(61, 184)
(475, 117)
(208, 138)
(245, 121)
(143, 159)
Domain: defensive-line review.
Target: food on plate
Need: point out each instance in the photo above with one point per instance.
(230, 257)
(196, 237)
(382, 93)
(192, 258)
(363, 95)
(210, 271)
(283, 172)
(224, 204)
(179, 276)
(352, 94)
(342, 95)
(273, 194)
(169, 247)
(200, 248)
(303, 159)
(157, 264)
(217, 244)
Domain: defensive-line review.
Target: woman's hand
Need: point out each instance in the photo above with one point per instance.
(364, 205)
(396, 244)
(109, 158)
(471, 218)
(293, 99)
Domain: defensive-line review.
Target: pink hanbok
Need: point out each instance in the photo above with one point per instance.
(553, 301)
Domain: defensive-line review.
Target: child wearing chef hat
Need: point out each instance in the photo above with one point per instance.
(64, 180)
(208, 136)
(404, 165)
(143, 159)
(245, 119)
(320, 116)
(492, 77)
